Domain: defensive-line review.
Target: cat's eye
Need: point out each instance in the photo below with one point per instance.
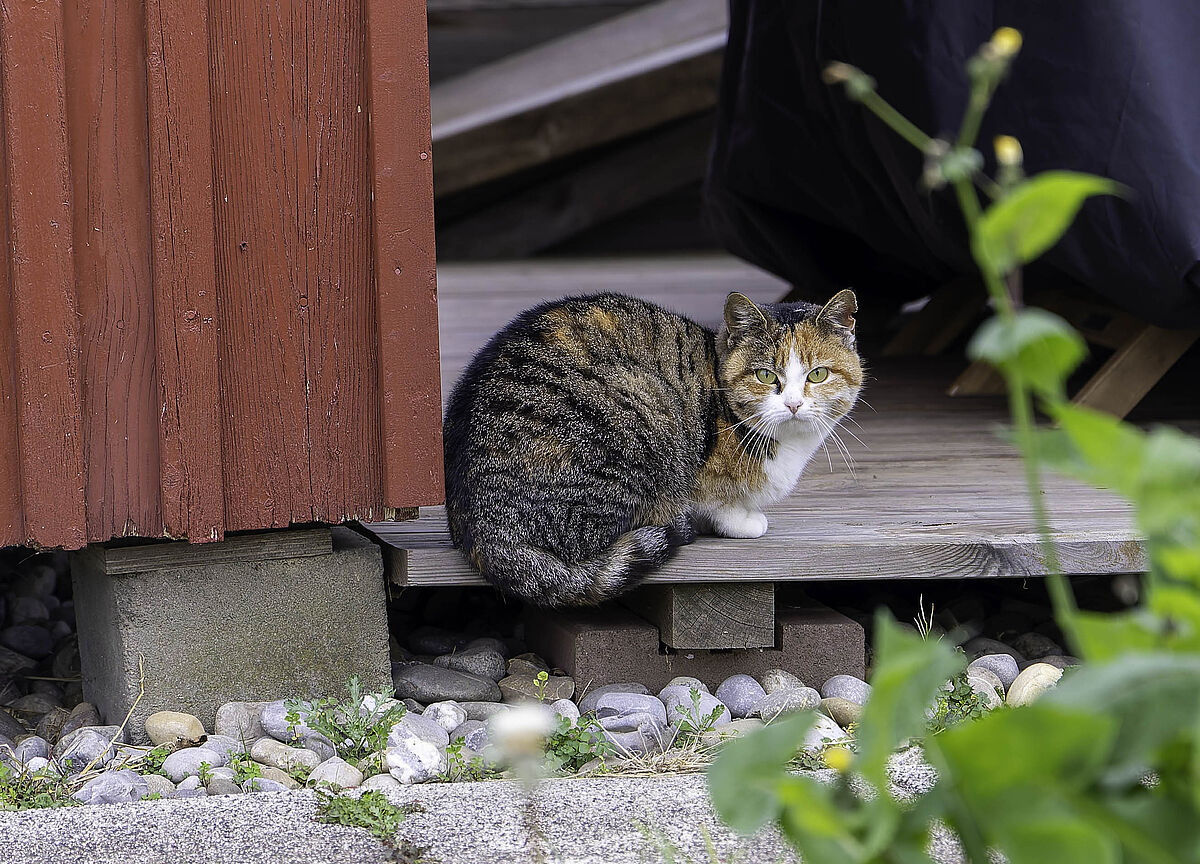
(766, 376)
(818, 375)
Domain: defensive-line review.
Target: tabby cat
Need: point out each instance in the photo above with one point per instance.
(593, 435)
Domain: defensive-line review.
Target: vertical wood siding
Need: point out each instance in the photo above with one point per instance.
(218, 309)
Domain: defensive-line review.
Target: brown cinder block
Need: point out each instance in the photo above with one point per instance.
(612, 644)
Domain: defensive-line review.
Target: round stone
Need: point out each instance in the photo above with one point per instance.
(823, 733)
(28, 610)
(526, 688)
(686, 681)
(434, 640)
(91, 745)
(446, 714)
(336, 772)
(483, 710)
(223, 786)
(1003, 666)
(35, 704)
(156, 784)
(268, 751)
(279, 776)
(842, 711)
(164, 727)
(417, 727)
(274, 720)
(381, 782)
(472, 733)
(32, 640)
(224, 745)
(262, 784)
(113, 787)
(83, 714)
(187, 762)
(241, 721)
(622, 704)
(772, 705)
(987, 687)
(732, 729)
(1035, 646)
(428, 684)
(740, 693)
(487, 643)
(567, 709)
(415, 761)
(778, 680)
(710, 712)
(482, 662)
(1032, 683)
(319, 744)
(846, 687)
(32, 747)
(981, 645)
(587, 702)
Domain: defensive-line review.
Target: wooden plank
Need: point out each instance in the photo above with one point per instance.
(938, 495)
(104, 44)
(950, 311)
(557, 209)
(45, 316)
(1100, 324)
(268, 546)
(402, 233)
(980, 378)
(183, 253)
(1127, 376)
(709, 615)
(437, 6)
(621, 76)
(12, 521)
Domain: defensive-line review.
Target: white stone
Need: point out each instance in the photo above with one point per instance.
(279, 755)
(446, 714)
(1035, 680)
(415, 761)
(337, 772)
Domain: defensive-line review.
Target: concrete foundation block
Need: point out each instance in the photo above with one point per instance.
(255, 618)
(612, 644)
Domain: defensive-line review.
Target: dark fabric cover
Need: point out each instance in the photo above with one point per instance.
(807, 184)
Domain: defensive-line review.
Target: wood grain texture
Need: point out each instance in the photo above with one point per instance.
(183, 269)
(45, 316)
(298, 347)
(1127, 376)
(402, 231)
(709, 615)
(104, 43)
(621, 76)
(12, 520)
(268, 546)
(557, 209)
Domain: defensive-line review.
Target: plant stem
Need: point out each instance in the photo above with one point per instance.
(896, 121)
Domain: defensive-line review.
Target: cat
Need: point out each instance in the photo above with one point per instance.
(593, 436)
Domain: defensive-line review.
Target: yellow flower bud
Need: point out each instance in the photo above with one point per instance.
(1008, 150)
(838, 758)
(1006, 42)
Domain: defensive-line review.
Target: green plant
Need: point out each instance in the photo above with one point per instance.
(357, 726)
(152, 760)
(569, 747)
(459, 767)
(955, 703)
(244, 768)
(1063, 779)
(540, 681)
(205, 773)
(692, 724)
(372, 812)
(21, 789)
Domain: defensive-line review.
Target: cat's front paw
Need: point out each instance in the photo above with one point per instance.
(742, 525)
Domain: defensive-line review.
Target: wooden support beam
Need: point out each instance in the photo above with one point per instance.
(1135, 367)
(264, 546)
(709, 615)
(620, 77)
(553, 211)
(978, 379)
(950, 311)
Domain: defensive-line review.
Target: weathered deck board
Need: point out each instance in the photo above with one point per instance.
(934, 493)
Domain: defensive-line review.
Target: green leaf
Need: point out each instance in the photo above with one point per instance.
(1037, 345)
(816, 825)
(907, 674)
(1033, 216)
(744, 780)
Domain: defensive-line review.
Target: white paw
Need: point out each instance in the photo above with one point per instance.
(741, 524)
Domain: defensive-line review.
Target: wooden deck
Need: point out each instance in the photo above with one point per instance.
(932, 493)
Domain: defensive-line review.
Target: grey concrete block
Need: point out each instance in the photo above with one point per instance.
(249, 630)
(611, 644)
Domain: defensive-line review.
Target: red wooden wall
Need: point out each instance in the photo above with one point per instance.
(217, 303)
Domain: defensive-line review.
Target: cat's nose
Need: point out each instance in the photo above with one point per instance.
(794, 407)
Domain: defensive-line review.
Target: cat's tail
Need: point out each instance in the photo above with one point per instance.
(543, 579)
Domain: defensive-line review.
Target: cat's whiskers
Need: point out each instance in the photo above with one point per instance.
(828, 427)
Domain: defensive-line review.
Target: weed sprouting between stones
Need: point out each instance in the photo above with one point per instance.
(21, 789)
(358, 725)
(569, 747)
(374, 813)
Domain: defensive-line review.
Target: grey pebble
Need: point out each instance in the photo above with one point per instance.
(428, 684)
(32, 640)
(772, 705)
(846, 687)
(113, 787)
(1003, 666)
(472, 733)
(740, 693)
(778, 680)
(587, 703)
(32, 747)
(417, 727)
(482, 662)
(621, 704)
(185, 763)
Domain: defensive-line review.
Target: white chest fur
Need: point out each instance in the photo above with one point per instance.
(783, 472)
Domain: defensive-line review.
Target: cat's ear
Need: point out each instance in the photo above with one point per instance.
(838, 315)
(741, 315)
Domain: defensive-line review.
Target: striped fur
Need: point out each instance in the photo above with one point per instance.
(589, 434)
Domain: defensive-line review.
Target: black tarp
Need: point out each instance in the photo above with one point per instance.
(807, 184)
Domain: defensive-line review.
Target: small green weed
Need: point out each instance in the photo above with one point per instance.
(357, 728)
(205, 773)
(244, 768)
(459, 767)
(540, 681)
(21, 789)
(955, 705)
(572, 747)
(691, 723)
(152, 760)
(372, 812)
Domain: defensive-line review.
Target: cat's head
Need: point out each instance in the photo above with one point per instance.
(789, 368)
